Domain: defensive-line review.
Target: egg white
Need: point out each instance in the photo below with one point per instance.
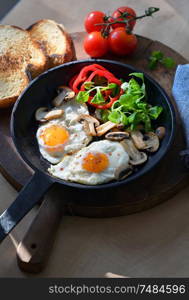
(70, 168)
(77, 136)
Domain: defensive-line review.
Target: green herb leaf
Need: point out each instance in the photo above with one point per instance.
(147, 123)
(139, 75)
(133, 118)
(152, 63)
(104, 114)
(115, 117)
(98, 98)
(124, 119)
(110, 86)
(158, 57)
(155, 111)
(82, 97)
(157, 54)
(168, 62)
(142, 106)
(129, 101)
(116, 105)
(134, 86)
(88, 85)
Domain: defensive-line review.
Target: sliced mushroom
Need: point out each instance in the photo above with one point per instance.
(116, 136)
(136, 157)
(89, 124)
(137, 138)
(59, 99)
(151, 141)
(120, 126)
(102, 129)
(40, 114)
(70, 94)
(160, 132)
(65, 94)
(115, 129)
(121, 174)
(86, 127)
(54, 114)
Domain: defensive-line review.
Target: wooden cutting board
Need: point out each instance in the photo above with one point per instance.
(169, 177)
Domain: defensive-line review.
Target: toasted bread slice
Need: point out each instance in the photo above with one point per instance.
(24, 54)
(12, 83)
(54, 40)
(19, 56)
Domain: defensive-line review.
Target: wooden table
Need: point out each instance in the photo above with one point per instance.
(151, 243)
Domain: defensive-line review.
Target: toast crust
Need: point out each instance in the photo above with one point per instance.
(61, 49)
(24, 54)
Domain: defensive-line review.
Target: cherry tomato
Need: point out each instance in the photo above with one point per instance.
(95, 44)
(124, 9)
(121, 42)
(95, 17)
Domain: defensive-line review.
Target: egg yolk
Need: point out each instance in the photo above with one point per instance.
(55, 135)
(95, 162)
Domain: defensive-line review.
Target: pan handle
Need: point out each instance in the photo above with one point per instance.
(27, 198)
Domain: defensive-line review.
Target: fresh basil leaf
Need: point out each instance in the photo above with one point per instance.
(82, 97)
(155, 111)
(168, 62)
(88, 85)
(98, 98)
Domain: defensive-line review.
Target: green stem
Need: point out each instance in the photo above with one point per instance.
(148, 13)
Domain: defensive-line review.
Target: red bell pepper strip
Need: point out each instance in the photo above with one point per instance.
(84, 73)
(106, 74)
(72, 81)
(84, 76)
(105, 105)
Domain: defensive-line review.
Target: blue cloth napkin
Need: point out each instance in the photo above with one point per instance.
(180, 92)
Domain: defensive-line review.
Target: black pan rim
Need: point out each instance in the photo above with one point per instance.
(111, 184)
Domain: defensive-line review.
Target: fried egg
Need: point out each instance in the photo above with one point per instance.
(94, 164)
(64, 135)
